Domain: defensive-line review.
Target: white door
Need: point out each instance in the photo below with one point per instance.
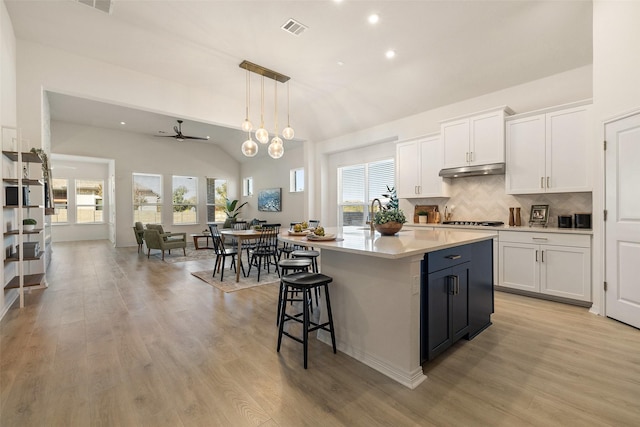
(622, 228)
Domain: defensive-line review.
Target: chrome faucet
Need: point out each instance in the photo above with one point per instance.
(373, 202)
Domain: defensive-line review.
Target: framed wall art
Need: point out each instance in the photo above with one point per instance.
(270, 200)
(539, 215)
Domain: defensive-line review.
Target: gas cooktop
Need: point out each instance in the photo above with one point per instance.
(481, 223)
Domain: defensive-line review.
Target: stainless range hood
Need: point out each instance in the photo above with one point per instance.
(492, 169)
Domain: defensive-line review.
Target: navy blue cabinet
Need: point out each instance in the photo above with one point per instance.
(456, 296)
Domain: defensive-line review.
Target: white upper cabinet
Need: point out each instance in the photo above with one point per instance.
(549, 152)
(476, 139)
(418, 163)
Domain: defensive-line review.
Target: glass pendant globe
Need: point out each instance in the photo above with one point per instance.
(276, 149)
(262, 135)
(247, 126)
(287, 133)
(249, 148)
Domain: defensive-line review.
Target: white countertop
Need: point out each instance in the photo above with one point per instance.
(407, 242)
(522, 228)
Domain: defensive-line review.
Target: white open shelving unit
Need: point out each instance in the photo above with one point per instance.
(19, 273)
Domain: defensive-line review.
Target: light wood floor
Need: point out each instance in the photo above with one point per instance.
(119, 340)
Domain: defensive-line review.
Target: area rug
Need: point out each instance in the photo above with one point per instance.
(229, 284)
(192, 255)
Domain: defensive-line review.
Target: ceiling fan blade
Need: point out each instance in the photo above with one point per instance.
(177, 130)
(195, 137)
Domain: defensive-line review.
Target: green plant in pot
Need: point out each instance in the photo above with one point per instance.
(28, 224)
(232, 210)
(422, 216)
(389, 220)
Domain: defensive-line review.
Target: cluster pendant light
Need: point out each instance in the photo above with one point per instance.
(276, 147)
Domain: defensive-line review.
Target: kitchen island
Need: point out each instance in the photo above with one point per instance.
(376, 292)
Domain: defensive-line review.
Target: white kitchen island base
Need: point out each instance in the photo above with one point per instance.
(376, 312)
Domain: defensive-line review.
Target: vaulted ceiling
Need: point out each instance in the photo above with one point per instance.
(341, 81)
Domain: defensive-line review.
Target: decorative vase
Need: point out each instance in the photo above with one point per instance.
(518, 219)
(512, 221)
(422, 219)
(28, 227)
(388, 228)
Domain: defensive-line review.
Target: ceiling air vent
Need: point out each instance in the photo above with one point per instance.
(101, 5)
(294, 27)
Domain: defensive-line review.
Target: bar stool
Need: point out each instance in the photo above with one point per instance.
(288, 266)
(308, 253)
(304, 282)
(313, 256)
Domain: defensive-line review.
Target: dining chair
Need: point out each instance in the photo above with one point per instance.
(222, 252)
(265, 251)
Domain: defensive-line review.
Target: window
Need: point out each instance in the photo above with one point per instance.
(60, 188)
(147, 198)
(89, 202)
(358, 185)
(185, 200)
(216, 199)
(247, 187)
(296, 180)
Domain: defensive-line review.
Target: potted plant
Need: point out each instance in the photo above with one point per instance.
(232, 210)
(388, 220)
(29, 224)
(422, 217)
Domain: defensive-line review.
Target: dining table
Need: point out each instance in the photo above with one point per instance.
(240, 235)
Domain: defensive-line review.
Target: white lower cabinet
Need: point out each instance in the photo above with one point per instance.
(547, 263)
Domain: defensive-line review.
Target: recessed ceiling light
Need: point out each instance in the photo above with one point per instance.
(340, 63)
(390, 53)
(374, 18)
(123, 123)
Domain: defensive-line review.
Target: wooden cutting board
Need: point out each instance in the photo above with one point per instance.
(432, 219)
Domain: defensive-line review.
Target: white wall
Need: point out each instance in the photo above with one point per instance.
(7, 118)
(555, 90)
(270, 173)
(616, 90)
(44, 68)
(145, 154)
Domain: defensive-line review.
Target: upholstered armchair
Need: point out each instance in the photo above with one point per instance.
(138, 229)
(156, 238)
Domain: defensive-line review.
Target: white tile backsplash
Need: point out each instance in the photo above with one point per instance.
(484, 198)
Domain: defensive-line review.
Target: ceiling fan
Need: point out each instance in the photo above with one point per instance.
(179, 136)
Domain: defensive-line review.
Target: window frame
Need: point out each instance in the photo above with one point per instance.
(247, 186)
(94, 207)
(193, 205)
(158, 206)
(218, 206)
(293, 180)
(362, 205)
(57, 206)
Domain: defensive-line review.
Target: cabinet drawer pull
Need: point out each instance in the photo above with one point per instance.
(539, 238)
(548, 183)
(536, 255)
(542, 256)
(454, 284)
(453, 256)
(466, 157)
(542, 182)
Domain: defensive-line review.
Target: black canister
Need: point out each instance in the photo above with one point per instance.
(565, 221)
(582, 220)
